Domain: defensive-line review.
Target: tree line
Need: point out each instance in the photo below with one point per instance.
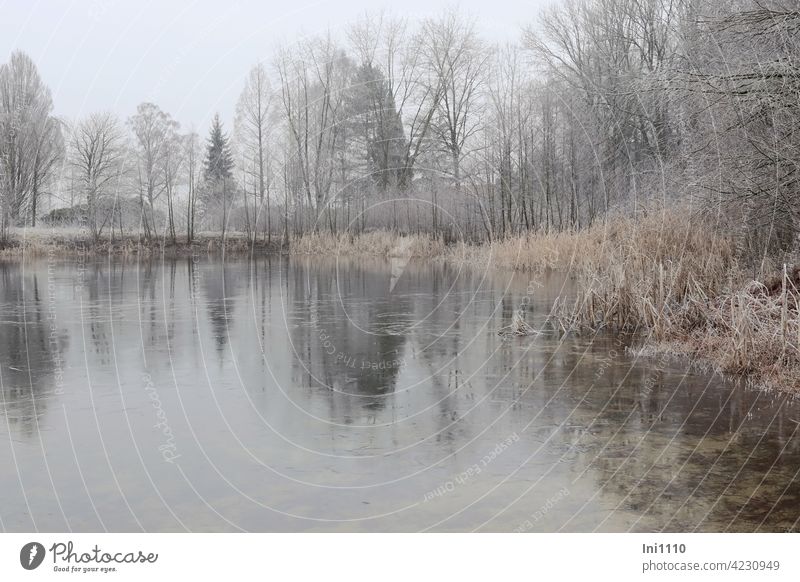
(599, 106)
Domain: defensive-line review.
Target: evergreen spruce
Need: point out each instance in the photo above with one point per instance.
(217, 169)
(218, 164)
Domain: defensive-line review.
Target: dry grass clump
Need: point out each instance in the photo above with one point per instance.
(517, 327)
(529, 252)
(659, 236)
(374, 244)
(637, 271)
(752, 331)
(38, 243)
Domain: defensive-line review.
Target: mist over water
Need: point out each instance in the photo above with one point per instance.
(359, 395)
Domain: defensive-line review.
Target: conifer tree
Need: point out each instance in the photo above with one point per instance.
(217, 168)
(218, 164)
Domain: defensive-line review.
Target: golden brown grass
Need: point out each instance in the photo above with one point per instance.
(373, 244)
(630, 273)
(677, 281)
(747, 331)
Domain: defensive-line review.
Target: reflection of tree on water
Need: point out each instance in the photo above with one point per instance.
(148, 302)
(342, 341)
(220, 286)
(100, 286)
(439, 344)
(260, 282)
(29, 348)
(354, 331)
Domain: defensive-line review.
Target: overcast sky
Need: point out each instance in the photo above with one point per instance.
(191, 57)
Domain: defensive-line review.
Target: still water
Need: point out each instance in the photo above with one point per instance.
(361, 395)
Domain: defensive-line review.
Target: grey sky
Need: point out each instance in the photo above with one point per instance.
(191, 57)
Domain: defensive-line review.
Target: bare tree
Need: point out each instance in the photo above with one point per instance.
(738, 85)
(98, 148)
(252, 128)
(172, 168)
(50, 150)
(30, 139)
(312, 94)
(193, 166)
(457, 60)
(154, 132)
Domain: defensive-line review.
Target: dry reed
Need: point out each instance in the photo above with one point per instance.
(677, 282)
(517, 327)
(376, 244)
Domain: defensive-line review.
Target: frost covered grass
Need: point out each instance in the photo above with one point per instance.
(678, 284)
(41, 241)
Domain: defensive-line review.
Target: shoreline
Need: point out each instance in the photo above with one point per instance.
(68, 244)
(661, 274)
(674, 280)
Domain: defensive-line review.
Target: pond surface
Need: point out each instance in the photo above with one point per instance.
(359, 395)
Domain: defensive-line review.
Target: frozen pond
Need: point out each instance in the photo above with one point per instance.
(360, 395)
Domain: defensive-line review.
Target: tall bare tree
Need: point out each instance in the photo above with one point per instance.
(193, 166)
(252, 128)
(172, 168)
(98, 149)
(154, 132)
(313, 79)
(457, 59)
(30, 139)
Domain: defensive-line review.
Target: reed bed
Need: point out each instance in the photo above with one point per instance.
(751, 331)
(678, 284)
(632, 274)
